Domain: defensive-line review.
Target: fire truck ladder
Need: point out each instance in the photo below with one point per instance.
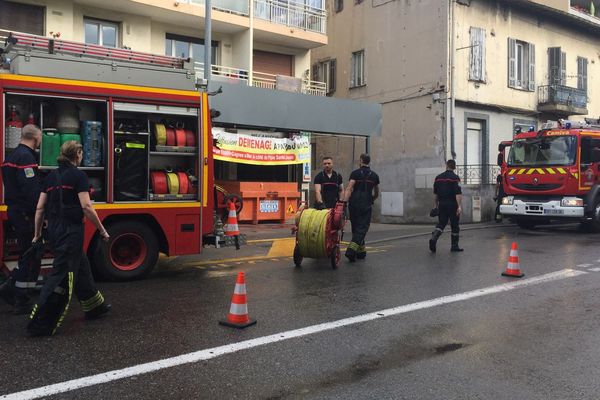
(28, 43)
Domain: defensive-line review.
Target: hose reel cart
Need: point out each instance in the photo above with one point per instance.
(319, 233)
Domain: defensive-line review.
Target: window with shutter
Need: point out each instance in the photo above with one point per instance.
(531, 68)
(477, 54)
(512, 63)
(332, 80)
(582, 73)
(358, 69)
(338, 5)
(521, 65)
(563, 68)
(554, 68)
(22, 17)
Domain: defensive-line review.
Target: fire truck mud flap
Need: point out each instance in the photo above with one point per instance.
(131, 252)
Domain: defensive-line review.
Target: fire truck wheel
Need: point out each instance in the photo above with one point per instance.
(131, 252)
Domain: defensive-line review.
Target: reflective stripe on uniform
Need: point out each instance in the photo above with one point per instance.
(25, 285)
(93, 302)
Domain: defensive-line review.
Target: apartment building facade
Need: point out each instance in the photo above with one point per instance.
(455, 78)
(260, 52)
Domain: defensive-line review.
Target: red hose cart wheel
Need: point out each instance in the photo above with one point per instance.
(297, 257)
(335, 256)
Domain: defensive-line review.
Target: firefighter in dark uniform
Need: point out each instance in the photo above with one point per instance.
(448, 198)
(64, 201)
(328, 186)
(21, 191)
(362, 191)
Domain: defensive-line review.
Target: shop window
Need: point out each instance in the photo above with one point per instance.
(103, 33)
(188, 47)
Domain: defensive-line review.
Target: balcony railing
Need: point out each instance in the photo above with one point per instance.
(484, 174)
(291, 14)
(285, 12)
(263, 80)
(562, 96)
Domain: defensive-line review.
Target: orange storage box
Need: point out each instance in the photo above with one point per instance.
(265, 201)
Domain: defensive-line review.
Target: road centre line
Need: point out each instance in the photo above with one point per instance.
(207, 354)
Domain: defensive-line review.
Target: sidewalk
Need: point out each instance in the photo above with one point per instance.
(275, 240)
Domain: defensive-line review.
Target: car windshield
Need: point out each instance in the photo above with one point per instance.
(557, 150)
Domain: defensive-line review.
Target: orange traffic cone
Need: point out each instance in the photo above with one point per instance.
(238, 313)
(512, 268)
(231, 227)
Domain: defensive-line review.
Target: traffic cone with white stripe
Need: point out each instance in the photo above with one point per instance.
(512, 268)
(231, 227)
(238, 313)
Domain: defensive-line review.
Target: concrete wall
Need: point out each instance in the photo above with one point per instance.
(405, 44)
(502, 22)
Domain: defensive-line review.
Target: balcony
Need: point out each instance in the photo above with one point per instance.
(562, 100)
(263, 80)
(292, 13)
(484, 174)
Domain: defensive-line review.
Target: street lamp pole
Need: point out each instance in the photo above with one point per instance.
(207, 41)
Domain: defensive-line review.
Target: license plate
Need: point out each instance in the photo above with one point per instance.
(269, 206)
(554, 212)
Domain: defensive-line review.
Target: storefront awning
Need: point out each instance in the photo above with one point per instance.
(242, 105)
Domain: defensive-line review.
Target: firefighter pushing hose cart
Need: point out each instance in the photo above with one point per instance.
(319, 233)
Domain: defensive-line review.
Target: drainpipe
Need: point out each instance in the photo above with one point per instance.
(452, 80)
(207, 40)
(251, 47)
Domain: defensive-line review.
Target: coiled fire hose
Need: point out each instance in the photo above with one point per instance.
(312, 233)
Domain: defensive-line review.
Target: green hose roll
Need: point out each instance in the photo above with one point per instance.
(312, 232)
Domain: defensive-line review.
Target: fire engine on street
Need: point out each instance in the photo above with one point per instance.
(553, 174)
(145, 128)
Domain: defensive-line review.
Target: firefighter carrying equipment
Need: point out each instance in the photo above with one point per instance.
(161, 134)
(312, 231)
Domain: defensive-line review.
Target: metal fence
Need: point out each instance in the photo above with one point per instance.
(478, 174)
(291, 14)
(565, 95)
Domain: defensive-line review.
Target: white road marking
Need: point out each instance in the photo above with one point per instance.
(214, 352)
(597, 269)
(584, 265)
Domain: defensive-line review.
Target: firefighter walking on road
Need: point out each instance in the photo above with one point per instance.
(328, 186)
(21, 191)
(362, 191)
(64, 201)
(448, 199)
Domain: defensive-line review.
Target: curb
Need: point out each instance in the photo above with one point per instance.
(413, 235)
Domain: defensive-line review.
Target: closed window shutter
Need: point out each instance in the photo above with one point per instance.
(332, 72)
(531, 69)
(554, 65)
(582, 73)
(477, 54)
(512, 63)
(563, 68)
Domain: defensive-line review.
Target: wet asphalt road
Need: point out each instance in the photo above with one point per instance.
(534, 342)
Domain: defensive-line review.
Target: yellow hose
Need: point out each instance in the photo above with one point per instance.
(311, 233)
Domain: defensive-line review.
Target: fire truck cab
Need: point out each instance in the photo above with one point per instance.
(553, 174)
(146, 134)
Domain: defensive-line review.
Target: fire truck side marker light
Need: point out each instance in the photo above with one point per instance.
(208, 354)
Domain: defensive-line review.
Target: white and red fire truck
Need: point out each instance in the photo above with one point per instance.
(152, 166)
(553, 174)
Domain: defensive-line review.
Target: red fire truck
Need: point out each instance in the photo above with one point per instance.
(144, 123)
(553, 174)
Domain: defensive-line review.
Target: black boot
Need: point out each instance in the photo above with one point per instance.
(46, 318)
(435, 235)
(98, 312)
(361, 254)
(455, 244)
(7, 291)
(351, 252)
(22, 302)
